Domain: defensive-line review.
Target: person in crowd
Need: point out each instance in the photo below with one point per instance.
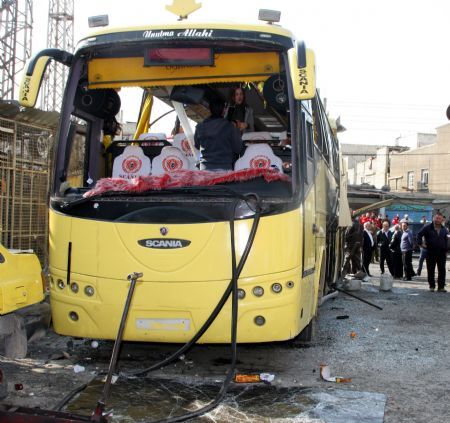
(219, 141)
(384, 237)
(364, 218)
(435, 237)
(396, 220)
(423, 256)
(394, 246)
(353, 244)
(374, 230)
(407, 246)
(239, 112)
(379, 222)
(368, 247)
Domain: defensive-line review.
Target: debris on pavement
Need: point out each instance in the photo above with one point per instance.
(267, 377)
(325, 374)
(78, 369)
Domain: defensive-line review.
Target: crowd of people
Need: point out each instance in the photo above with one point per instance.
(372, 238)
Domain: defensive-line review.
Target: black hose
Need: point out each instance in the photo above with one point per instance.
(69, 396)
(234, 318)
(231, 288)
(219, 305)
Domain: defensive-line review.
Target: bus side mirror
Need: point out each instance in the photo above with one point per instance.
(303, 72)
(34, 73)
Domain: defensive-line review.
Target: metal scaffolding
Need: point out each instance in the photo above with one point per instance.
(60, 35)
(16, 25)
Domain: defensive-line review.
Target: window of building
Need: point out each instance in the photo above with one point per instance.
(424, 177)
(410, 180)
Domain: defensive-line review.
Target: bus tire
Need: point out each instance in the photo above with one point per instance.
(307, 335)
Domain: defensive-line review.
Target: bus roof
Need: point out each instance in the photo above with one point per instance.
(184, 30)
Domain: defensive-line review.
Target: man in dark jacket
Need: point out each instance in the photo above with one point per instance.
(384, 237)
(368, 247)
(394, 246)
(353, 243)
(218, 140)
(407, 247)
(435, 236)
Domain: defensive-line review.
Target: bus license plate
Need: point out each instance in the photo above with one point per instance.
(164, 324)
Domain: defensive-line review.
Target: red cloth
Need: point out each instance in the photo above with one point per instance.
(182, 178)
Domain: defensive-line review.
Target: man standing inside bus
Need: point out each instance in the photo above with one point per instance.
(219, 141)
(435, 236)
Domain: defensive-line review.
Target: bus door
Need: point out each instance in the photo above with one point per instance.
(309, 197)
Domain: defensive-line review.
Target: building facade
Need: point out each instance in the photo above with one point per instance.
(423, 169)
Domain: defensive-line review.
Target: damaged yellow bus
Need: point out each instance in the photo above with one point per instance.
(142, 205)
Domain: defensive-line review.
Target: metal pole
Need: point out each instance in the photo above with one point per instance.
(98, 412)
(359, 298)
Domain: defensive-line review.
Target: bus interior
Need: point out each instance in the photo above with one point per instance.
(95, 143)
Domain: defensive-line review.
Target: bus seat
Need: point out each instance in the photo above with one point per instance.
(155, 136)
(261, 136)
(259, 156)
(131, 163)
(170, 160)
(180, 141)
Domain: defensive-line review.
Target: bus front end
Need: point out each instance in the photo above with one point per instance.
(179, 235)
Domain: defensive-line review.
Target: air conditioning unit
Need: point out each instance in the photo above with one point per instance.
(422, 186)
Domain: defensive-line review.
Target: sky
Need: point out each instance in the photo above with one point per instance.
(383, 66)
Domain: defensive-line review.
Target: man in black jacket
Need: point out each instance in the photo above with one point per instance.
(368, 247)
(353, 244)
(218, 140)
(384, 237)
(435, 236)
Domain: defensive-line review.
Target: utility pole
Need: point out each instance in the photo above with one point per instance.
(16, 25)
(60, 35)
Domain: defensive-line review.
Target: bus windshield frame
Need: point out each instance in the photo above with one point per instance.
(64, 191)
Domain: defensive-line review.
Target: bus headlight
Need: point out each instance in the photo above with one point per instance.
(241, 294)
(260, 320)
(73, 316)
(74, 287)
(277, 288)
(258, 291)
(60, 284)
(89, 291)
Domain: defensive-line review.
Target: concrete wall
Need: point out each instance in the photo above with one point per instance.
(417, 140)
(354, 154)
(373, 170)
(434, 157)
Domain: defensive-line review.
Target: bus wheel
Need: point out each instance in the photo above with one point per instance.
(306, 336)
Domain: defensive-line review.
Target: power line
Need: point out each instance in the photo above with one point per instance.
(374, 155)
(385, 105)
